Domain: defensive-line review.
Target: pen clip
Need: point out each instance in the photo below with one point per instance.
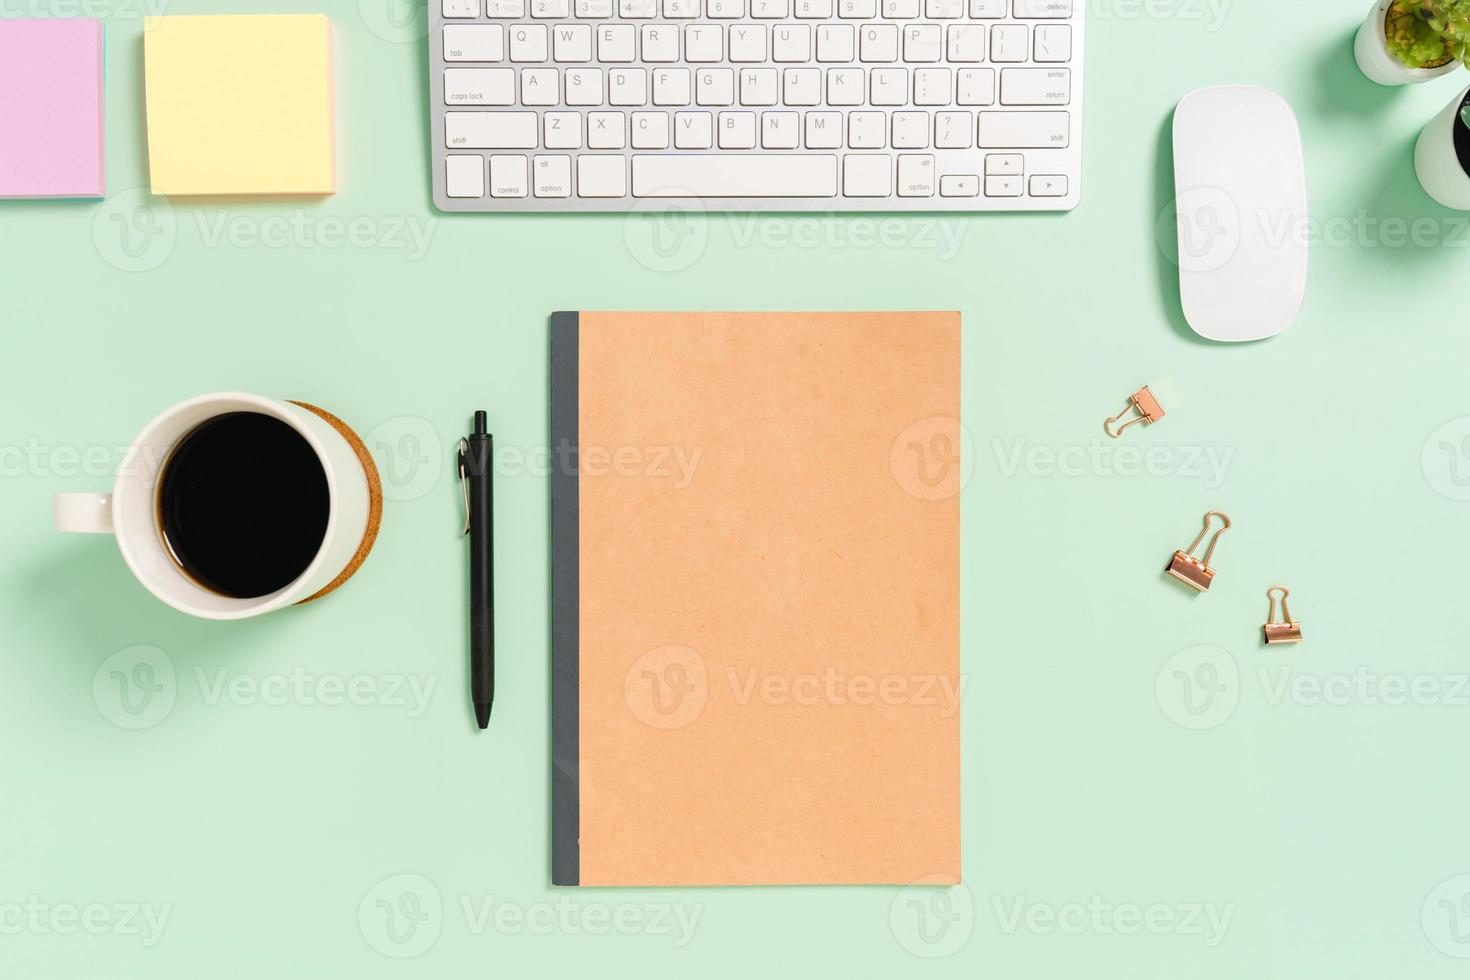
(464, 487)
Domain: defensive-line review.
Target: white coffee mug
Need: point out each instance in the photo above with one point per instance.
(130, 511)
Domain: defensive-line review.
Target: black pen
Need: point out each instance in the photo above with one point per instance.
(479, 524)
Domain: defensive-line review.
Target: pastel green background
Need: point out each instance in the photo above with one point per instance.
(1126, 745)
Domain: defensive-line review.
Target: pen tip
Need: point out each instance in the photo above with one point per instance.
(482, 715)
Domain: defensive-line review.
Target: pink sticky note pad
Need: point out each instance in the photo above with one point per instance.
(51, 108)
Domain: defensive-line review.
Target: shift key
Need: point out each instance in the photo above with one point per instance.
(1024, 130)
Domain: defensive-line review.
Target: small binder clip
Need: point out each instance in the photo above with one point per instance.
(1194, 572)
(1144, 403)
(1285, 631)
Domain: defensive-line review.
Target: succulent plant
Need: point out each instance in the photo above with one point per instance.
(1429, 33)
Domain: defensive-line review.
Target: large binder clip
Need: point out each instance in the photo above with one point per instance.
(1195, 572)
(1141, 401)
(1285, 631)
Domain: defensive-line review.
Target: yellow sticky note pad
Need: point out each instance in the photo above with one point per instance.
(240, 104)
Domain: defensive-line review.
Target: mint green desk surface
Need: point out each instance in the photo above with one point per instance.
(1148, 791)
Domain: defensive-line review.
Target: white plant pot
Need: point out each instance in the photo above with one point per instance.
(1443, 168)
(1378, 63)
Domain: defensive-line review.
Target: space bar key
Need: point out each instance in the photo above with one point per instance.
(734, 175)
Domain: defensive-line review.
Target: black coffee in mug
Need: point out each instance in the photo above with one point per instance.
(243, 504)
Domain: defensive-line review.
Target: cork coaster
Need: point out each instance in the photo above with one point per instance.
(375, 500)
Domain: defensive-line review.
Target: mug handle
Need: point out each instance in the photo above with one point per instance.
(83, 513)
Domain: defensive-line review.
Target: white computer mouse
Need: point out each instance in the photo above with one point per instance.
(1241, 189)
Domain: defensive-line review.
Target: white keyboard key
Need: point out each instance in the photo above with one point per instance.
(724, 9)
(584, 86)
(879, 42)
(932, 86)
(605, 131)
(594, 9)
(1049, 185)
(944, 9)
(813, 9)
(791, 43)
(650, 130)
(616, 42)
(824, 130)
(737, 130)
(857, 9)
(900, 9)
(1008, 42)
(490, 130)
(915, 175)
(1002, 186)
(474, 42)
(627, 86)
(987, 9)
(1044, 9)
(910, 130)
(835, 42)
(561, 130)
(780, 130)
(464, 175)
(539, 86)
(1004, 164)
(704, 44)
(527, 42)
(1022, 130)
(660, 43)
(770, 9)
(505, 9)
(802, 86)
(959, 185)
(457, 9)
(543, 9)
(758, 86)
(976, 86)
(1053, 43)
(553, 176)
(923, 42)
(967, 42)
(867, 130)
(1036, 86)
(479, 86)
(694, 130)
(890, 86)
(714, 86)
(747, 42)
(572, 42)
(508, 176)
(638, 9)
(954, 130)
(845, 86)
(735, 175)
(681, 9)
(867, 175)
(602, 176)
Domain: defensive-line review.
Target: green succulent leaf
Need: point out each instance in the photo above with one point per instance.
(1429, 33)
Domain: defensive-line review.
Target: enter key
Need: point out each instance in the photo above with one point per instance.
(1036, 86)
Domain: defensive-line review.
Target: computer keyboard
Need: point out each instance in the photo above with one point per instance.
(745, 105)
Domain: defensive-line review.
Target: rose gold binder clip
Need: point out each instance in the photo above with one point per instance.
(1194, 572)
(1144, 403)
(1286, 631)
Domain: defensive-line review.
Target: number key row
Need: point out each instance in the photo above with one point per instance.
(756, 43)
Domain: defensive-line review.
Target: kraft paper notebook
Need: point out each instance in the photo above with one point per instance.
(756, 598)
